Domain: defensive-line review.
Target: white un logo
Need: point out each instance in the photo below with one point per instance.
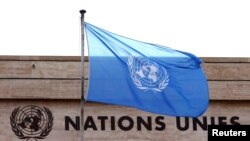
(147, 74)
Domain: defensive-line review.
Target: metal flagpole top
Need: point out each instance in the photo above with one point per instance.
(82, 11)
(82, 14)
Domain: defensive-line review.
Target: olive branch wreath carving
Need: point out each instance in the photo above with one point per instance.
(42, 135)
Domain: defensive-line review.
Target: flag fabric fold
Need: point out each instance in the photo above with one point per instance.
(149, 77)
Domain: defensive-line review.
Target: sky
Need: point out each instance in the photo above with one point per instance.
(206, 28)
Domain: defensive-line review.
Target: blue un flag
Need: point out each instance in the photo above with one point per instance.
(145, 76)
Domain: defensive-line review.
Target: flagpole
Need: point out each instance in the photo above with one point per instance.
(82, 12)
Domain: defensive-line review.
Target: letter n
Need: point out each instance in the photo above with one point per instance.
(75, 125)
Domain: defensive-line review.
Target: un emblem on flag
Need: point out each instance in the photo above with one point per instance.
(147, 75)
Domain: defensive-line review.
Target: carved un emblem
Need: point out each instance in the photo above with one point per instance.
(147, 75)
(31, 122)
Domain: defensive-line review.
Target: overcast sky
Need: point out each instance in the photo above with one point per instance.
(52, 27)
